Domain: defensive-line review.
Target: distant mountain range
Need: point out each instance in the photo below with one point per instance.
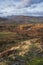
(21, 19)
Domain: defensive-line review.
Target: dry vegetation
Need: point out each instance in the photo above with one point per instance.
(21, 44)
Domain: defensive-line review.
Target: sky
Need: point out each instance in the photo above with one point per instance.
(21, 7)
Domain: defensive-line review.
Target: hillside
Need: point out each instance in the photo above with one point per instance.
(21, 44)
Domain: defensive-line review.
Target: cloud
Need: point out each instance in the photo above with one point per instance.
(23, 3)
(21, 7)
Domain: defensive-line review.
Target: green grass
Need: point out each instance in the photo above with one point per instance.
(6, 34)
(36, 61)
